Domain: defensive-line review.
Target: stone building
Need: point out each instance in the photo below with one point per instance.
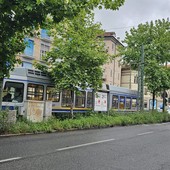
(112, 69)
(37, 46)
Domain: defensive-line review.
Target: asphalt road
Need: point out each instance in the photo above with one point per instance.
(143, 147)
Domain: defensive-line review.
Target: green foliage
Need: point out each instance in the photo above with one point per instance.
(95, 120)
(157, 77)
(77, 54)
(3, 121)
(20, 18)
(155, 36)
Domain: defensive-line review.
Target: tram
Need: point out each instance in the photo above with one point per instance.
(25, 85)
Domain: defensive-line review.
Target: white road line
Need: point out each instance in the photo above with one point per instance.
(145, 133)
(86, 144)
(10, 159)
(164, 123)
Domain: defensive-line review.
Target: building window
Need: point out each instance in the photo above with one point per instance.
(44, 34)
(29, 50)
(35, 92)
(26, 64)
(44, 49)
(136, 79)
(145, 91)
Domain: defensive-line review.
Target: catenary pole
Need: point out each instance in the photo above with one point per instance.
(142, 79)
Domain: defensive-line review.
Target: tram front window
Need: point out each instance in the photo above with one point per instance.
(13, 92)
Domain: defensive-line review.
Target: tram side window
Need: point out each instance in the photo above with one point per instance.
(128, 103)
(115, 102)
(13, 92)
(66, 98)
(35, 92)
(134, 103)
(89, 99)
(80, 99)
(52, 94)
(122, 102)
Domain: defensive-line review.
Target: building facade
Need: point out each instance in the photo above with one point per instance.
(112, 69)
(36, 48)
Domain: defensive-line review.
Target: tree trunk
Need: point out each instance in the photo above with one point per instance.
(164, 96)
(153, 100)
(1, 90)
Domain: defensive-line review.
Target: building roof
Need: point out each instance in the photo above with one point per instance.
(112, 36)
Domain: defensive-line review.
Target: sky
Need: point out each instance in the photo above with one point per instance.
(131, 14)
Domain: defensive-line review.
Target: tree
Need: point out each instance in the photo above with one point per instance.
(78, 54)
(157, 79)
(155, 36)
(19, 18)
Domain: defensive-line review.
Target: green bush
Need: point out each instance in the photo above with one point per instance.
(4, 124)
(90, 120)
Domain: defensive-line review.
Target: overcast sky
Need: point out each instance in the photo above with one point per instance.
(132, 13)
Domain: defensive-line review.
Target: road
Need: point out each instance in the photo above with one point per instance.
(141, 147)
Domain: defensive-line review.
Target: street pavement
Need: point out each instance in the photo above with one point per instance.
(141, 147)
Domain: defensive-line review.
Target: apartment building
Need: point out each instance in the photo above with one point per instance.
(36, 48)
(112, 69)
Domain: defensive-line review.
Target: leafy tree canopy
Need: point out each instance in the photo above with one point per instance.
(77, 55)
(20, 17)
(155, 36)
(157, 78)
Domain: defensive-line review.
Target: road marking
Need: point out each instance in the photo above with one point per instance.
(86, 144)
(164, 123)
(146, 133)
(145, 125)
(10, 159)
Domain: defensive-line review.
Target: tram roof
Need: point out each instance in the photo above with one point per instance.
(121, 89)
(27, 72)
